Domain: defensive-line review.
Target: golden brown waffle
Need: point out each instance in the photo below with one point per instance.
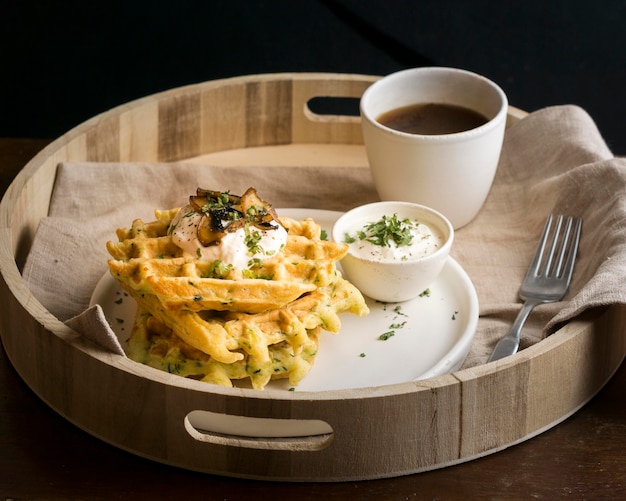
(236, 326)
(276, 344)
(229, 336)
(146, 259)
(154, 344)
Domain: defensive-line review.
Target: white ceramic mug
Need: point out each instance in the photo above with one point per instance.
(451, 173)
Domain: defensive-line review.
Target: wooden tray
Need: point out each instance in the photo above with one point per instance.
(355, 434)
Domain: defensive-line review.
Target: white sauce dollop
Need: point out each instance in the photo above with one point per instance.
(232, 248)
(424, 241)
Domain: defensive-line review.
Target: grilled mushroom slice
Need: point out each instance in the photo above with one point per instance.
(223, 213)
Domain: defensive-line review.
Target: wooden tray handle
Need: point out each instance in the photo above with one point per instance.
(326, 110)
(258, 433)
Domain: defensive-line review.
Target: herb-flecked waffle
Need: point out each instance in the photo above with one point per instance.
(244, 321)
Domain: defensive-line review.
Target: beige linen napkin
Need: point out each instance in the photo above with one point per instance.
(554, 160)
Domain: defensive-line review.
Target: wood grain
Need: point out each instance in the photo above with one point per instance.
(434, 423)
(44, 456)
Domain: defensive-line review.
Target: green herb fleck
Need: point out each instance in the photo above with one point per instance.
(255, 262)
(221, 201)
(260, 276)
(252, 239)
(218, 269)
(398, 311)
(362, 355)
(397, 326)
(425, 293)
(323, 235)
(386, 335)
(256, 211)
(174, 368)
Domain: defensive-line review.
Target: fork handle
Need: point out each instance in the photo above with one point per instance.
(509, 344)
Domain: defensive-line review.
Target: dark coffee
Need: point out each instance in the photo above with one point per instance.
(432, 119)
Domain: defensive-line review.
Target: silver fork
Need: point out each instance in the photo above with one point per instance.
(548, 277)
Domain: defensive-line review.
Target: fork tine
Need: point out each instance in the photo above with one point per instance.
(565, 239)
(571, 258)
(555, 240)
(568, 247)
(534, 268)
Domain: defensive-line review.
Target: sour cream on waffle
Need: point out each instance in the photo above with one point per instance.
(239, 248)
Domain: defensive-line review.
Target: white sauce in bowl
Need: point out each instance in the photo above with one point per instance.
(375, 240)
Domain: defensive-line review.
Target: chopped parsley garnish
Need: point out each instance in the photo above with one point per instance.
(397, 326)
(255, 262)
(174, 368)
(398, 311)
(260, 276)
(220, 201)
(217, 269)
(385, 231)
(252, 240)
(256, 211)
(348, 239)
(425, 293)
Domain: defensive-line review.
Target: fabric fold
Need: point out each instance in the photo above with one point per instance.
(93, 324)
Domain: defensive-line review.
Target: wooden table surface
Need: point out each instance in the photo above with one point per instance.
(43, 456)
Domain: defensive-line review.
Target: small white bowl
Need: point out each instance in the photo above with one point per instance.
(395, 280)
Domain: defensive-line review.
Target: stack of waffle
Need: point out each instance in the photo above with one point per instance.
(236, 326)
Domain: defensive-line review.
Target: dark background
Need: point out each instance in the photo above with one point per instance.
(63, 62)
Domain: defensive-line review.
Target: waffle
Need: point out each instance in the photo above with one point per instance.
(276, 344)
(261, 322)
(154, 344)
(146, 259)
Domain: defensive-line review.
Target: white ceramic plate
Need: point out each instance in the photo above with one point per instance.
(432, 334)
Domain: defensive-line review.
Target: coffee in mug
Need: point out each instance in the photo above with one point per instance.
(432, 118)
(448, 169)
